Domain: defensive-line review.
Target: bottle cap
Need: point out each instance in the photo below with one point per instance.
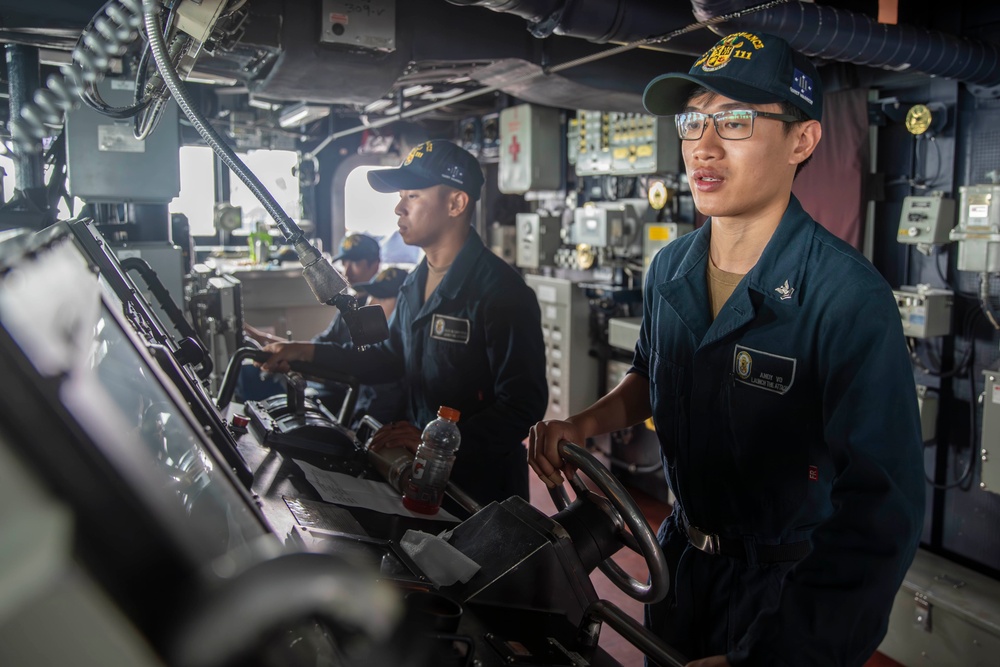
(448, 413)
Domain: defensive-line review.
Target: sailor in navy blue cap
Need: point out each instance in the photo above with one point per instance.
(429, 164)
(466, 332)
(769, 358)
(359, 255)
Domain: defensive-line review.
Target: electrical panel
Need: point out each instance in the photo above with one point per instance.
(369, 24)
(570, 369)
(926, 220)
(598, 226)
(105, 162)
(623, 333)
(503, 242)
(978, 229)
(657, 235)
(623, 144)
(990, 451)
(538, 238)
(530, 149)
(925, 311)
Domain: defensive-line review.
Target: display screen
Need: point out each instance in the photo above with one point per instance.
(71, 326)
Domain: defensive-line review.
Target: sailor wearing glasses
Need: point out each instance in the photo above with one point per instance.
(772, 361)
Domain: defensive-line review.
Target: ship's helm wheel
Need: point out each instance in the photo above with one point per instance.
(639, 537)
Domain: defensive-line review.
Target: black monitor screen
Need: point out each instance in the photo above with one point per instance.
(70, 326)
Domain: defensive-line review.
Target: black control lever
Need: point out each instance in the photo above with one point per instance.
(228, 387)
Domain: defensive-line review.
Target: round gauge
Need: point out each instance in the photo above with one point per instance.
(918, 119)
(658, 195)
(585, 256)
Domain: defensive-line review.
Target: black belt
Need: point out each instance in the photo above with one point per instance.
(739, 548)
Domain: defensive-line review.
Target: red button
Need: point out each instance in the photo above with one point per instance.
(239, 421)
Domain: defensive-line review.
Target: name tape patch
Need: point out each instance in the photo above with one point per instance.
(451, 329)
(763, 370)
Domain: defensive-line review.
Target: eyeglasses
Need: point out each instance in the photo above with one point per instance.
(732, 124)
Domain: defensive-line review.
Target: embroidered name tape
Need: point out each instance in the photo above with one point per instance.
(763, 370)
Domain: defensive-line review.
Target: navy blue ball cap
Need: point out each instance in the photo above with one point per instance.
(747, 67)
(357, 247)
(384, 285)
(436, 162)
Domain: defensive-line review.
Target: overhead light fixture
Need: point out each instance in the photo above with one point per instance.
(377, 105)
(416, 90)
(210, 78)
(264, 105)
(301, 114)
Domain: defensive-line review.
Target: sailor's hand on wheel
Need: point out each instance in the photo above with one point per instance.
(284, 353)
(543, 449)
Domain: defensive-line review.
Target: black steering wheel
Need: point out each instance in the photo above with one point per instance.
(639, 538)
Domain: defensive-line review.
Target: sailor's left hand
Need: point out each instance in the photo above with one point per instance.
(714, 661)
(397, 434)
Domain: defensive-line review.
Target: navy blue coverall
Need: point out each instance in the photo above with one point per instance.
(476, 346)
(791, 419)
(384, 402)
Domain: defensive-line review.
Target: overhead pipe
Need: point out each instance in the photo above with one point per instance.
(598, 21)
(815, 30)
(837, 34)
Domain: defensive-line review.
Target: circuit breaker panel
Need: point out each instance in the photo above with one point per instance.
(623, 143)
(570, 370)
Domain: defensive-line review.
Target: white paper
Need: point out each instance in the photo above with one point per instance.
(341, 489)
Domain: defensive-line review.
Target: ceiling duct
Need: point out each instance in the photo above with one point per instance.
(603, 21)
(845, 36)
(815, 30)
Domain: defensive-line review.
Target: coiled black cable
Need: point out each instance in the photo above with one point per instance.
(110, 32)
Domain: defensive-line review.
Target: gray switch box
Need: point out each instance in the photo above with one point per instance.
(537, 239)
(978, 229)
(106, 163)
(926, 220)
(925, 311)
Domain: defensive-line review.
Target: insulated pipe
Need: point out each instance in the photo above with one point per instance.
(836, 34)
(817, 31)
(619, 21)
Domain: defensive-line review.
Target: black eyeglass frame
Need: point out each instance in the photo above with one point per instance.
(753, 113)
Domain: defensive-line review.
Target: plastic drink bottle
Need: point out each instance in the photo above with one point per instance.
(433, 462)
(260, 244)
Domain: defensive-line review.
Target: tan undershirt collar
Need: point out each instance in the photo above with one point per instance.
(721, 285)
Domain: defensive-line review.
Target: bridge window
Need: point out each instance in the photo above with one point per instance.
(369, 212)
